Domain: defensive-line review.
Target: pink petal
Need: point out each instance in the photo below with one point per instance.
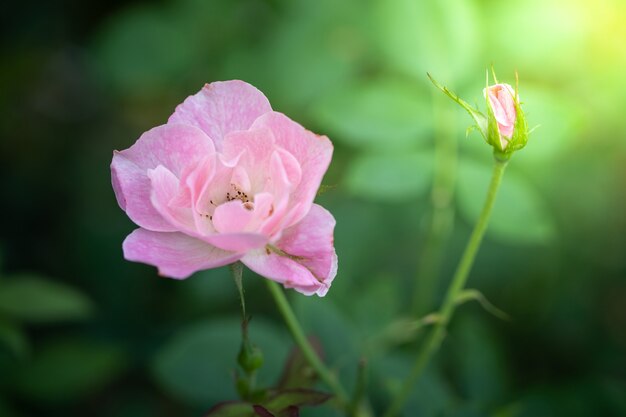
(165, 191)
(502, 102)
(132, 190)
(222, 107)
(174, 147)
(237, 242)
(313, 153)
(236, 216)
(232, 217)
(310, 262)
(176, 255)
(250, 148)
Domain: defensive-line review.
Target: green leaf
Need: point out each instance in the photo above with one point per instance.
(280, 400)
(231, 409)
(13, 337)
(519, 214)
(297, 372)
(322, 320)
(390, 177)
(68, 370)
(197, 365)
(377, 114)
(34, 299)
(261, 411)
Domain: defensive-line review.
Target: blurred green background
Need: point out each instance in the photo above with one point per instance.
(83, 332)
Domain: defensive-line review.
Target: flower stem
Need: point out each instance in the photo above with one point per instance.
(307, 350)
(236, 270)
(436, 335)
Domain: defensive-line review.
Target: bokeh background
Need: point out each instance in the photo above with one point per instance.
(83, 332)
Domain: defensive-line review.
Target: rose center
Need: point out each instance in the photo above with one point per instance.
(236, 194)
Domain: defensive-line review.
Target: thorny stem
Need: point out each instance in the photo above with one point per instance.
(307, 350)
(436, 335)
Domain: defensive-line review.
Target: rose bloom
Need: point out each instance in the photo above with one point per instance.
(502, 102)
(227, 179)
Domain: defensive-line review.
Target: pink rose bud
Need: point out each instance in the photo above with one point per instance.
(501, 99)
(504, 127)
(228, 179)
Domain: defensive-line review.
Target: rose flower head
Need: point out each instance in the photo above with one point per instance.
(228, 179)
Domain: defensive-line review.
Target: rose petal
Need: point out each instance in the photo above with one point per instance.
(313, 153)
(236, 216)
(237, 242)
(174, 147)
(222, 107)
(165, 191)
(132, 190)
(176, 255)
(308, 263)
(251, 149)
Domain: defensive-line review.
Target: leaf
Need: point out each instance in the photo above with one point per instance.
(261, 411)
(519, 214)
(321, 319)
(197, 365)
(13, 337)
(68, 370)
(399, 331)
(390, 177)
(297, 372)
(37, 300)
(377, 114)
(282, 399)
(231, 409)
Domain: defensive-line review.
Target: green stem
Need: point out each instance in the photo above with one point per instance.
(435, 337)
(245, 358)
(304, 345)
(236, 270)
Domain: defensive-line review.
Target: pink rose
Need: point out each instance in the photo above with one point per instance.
(501, 99)
(227, 179)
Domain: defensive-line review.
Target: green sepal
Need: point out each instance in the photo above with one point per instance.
(520, 130)
(479, 118)
(250, 357)
(493, 132)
